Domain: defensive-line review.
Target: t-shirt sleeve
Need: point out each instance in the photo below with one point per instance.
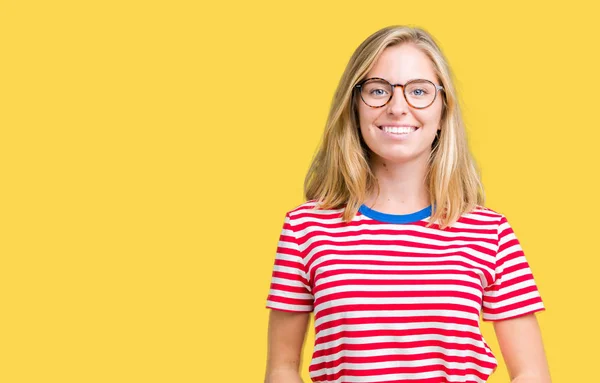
(290, 288)
(513, 292)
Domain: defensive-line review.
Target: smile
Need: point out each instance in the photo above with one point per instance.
(398, 131)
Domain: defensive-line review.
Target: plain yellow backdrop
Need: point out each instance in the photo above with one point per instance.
(150, 150)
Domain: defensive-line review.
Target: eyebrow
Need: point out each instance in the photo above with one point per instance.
(410, 79)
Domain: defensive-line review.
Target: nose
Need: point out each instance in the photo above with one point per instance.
(398, 104)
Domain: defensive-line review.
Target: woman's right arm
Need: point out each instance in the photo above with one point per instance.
(286, 334)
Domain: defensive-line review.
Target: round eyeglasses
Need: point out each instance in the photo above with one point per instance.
(377, 92)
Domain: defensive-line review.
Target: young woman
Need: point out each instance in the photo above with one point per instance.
(393, 251)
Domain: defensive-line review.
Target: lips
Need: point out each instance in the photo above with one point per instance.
(397, 126)
(398, 130)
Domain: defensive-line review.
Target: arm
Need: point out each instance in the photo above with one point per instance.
(286, 335)
(520, 341)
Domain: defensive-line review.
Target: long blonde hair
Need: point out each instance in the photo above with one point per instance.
(340, 174)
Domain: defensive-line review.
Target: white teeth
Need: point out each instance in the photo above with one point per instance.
(398, 130)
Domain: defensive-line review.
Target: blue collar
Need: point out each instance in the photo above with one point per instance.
(395, 218)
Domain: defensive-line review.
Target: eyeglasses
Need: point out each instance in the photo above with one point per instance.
(377, 92)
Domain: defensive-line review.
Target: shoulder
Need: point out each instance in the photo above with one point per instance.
(494, 218)
(485, 212)
(310, 212)
(308, 205)
(479, 218)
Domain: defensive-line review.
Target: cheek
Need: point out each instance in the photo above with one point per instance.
(430, 117)
(437, 112)
(367, 116)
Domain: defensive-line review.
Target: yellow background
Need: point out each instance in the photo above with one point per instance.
(150, 150)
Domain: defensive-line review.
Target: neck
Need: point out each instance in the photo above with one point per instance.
(402, 186)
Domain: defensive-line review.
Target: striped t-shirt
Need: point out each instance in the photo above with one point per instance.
(395, 301)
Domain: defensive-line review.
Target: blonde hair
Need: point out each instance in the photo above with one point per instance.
(340, 174)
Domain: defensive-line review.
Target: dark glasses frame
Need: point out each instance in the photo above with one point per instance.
(403, 86)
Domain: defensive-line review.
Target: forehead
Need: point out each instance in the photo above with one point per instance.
(401, 63)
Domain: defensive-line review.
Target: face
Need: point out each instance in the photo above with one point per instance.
(399, 64)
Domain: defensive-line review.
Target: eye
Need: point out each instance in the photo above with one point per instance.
(419, 92)
(377, 92)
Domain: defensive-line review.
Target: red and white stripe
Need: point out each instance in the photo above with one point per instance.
(400, 302)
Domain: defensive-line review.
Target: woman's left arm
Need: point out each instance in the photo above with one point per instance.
(522, 348)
